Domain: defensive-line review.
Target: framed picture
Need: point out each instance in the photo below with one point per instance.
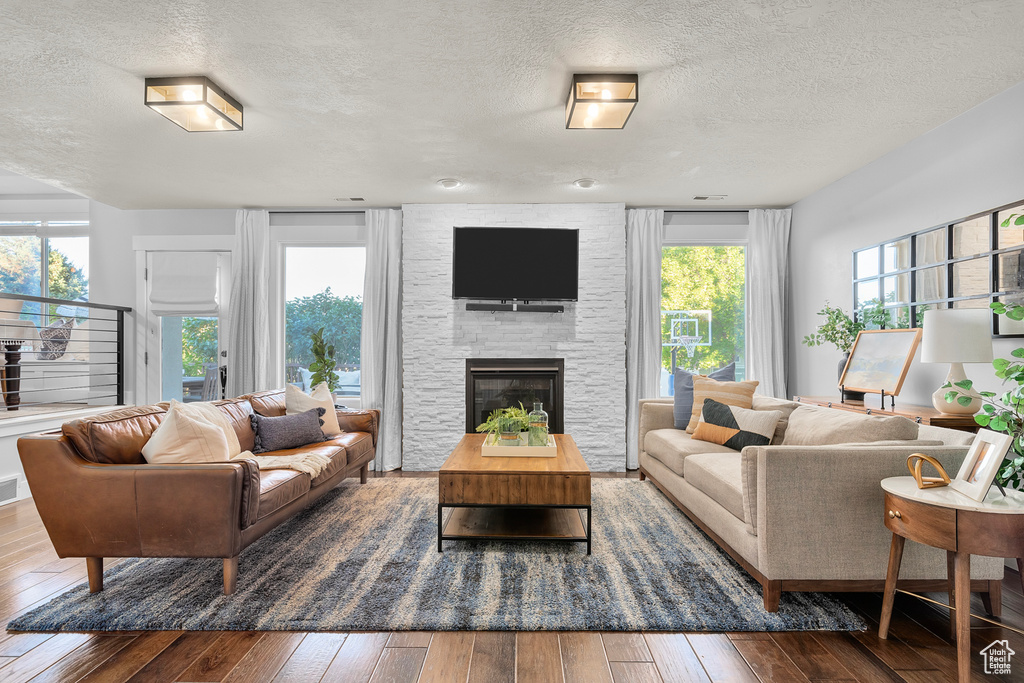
(981, 464)
(879, 361)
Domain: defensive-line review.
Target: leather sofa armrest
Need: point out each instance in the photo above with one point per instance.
(150, 510)
(655, 413)
(360, 421)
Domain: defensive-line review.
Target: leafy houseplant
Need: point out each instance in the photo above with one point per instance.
(1004, 415)
(839, 329)
(323, 363)
(506, 421)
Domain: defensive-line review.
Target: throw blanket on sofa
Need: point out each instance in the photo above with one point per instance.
(310, 463)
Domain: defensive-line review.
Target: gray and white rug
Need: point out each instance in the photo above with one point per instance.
(365, 558)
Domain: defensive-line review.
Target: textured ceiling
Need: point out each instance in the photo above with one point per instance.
(764, 101)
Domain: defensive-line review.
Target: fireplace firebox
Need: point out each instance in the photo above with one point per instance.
(493, 383)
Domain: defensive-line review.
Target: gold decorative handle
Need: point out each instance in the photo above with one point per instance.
(895, 514)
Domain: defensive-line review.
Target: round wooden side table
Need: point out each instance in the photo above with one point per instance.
(962, 526)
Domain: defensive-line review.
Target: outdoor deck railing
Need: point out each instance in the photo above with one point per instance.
(58, 354)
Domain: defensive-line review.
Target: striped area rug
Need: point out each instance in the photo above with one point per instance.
(365, 558)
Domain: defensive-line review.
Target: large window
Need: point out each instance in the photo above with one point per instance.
(703, 310)
(966, 264)
(40, 258)
(324, 289)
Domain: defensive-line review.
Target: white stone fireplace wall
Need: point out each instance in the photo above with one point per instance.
(439, 334)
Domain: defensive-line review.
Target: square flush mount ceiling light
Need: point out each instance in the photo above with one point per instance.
(195, 103)
(601, 100)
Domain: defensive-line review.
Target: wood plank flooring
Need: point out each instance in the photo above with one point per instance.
(918, 649)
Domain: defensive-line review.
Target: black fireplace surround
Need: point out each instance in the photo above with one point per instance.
(493, 383)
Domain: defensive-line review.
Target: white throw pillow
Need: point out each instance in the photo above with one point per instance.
(295, 401)
(216, 416)
(186, 435)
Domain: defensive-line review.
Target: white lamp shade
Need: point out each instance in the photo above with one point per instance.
(957, 335)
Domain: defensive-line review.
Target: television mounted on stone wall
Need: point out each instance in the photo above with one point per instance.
(515, 264)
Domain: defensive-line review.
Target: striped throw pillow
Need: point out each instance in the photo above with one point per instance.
(739, 394)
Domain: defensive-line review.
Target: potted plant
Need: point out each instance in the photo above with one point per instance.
(839, 330)
(323, 363)
(506, 424)
(1005, 414)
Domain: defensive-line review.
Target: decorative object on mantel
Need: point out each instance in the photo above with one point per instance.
(879, 361)
(1005, 415)
(957, 336)
(839, 330)
(981, 464)
(914, 464)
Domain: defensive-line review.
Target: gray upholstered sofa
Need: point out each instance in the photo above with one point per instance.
(805, 513)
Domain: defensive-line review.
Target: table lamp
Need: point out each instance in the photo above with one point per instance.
(957, 336)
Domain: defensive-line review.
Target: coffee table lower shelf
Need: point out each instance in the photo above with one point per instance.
(513, 523)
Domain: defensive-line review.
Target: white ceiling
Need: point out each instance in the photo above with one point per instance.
(764, 101)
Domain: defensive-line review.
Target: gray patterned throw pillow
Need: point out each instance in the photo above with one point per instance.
(287, 431)
(55, 338)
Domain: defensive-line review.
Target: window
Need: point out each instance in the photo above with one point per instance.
(703, 307)
(45, 258)
(966, 264)
(188, 358)
(323, 287)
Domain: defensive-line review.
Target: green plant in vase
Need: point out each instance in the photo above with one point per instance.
(1006, 414)
(505, 424)
(323, 363)
(839, 330)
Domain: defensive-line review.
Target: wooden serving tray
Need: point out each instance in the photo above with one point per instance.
(495, 450)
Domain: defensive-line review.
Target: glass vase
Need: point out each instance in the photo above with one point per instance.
(509, 431)
(538, 432)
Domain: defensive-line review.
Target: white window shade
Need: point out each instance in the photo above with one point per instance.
(183, 283)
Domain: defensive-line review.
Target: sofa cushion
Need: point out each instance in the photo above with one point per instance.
(814, 426)
(719, 476)
(739, 394)
(785, 407)
(682, 390)
(735, 427)
(268, 403)
(357, 445)
(188, 434)
(117, 437)
(278, 488)
(238, 411)
(672, 446)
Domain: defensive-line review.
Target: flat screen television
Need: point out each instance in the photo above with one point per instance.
(524, 264)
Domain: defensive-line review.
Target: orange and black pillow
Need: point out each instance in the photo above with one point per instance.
(735, 427)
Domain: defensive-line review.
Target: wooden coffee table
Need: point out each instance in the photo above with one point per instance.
(514, 498)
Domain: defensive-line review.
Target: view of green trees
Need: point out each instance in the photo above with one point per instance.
(20, 266)
(198, 345)
(706, 278)
(342, 318)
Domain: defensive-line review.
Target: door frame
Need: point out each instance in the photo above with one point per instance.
(147, 326)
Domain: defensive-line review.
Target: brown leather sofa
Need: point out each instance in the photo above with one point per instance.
(98, 497)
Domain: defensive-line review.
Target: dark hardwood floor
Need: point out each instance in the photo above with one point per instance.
(918, 650)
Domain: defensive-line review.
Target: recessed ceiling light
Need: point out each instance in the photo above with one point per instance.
(349, 199)
(195, 103)
(601, 100)
(584, 183)
(710, 197)
(449, 183)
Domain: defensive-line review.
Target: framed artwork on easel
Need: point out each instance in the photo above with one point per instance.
(879, 361)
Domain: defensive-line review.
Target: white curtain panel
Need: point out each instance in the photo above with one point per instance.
(249, 362)
(381, 344)
(766, 297)
(645, 231)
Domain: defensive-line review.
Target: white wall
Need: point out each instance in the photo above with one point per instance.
(440, 334)
(971, 164)
(112, 276)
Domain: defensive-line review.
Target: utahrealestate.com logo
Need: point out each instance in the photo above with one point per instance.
(997, 657)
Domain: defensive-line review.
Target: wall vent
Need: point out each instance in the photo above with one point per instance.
(709, 197)
(9, 489)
